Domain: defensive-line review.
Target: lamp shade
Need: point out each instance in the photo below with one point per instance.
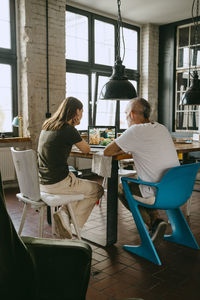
(118, 87)
(15, 121)
(192, 96)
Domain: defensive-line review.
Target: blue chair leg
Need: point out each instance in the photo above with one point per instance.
(181, 233)
(146, 249)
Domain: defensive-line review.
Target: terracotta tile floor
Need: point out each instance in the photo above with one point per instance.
(117, 274)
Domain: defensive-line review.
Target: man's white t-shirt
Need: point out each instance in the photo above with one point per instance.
(152, 149)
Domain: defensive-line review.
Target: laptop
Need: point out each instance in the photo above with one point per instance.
(101, 136)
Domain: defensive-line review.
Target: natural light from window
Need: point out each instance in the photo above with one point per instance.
(77, 86)
(76, 37)
(105, 114)
(123, 104)
(6, 98)
(5, 25)
(131, 55)
(104, 43)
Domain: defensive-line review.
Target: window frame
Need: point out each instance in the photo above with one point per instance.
(9, 57)
(191, 113)
(90, 67)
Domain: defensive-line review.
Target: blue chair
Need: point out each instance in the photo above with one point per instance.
(173, 190)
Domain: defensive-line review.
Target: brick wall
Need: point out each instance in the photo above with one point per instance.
(149, 66)
(32, 77)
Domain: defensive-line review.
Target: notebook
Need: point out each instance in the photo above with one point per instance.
(101, 136)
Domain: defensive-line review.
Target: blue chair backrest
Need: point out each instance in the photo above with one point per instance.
(176, 186)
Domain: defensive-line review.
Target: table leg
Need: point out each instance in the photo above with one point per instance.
(108, 236)
(112, 205)
(49, 215)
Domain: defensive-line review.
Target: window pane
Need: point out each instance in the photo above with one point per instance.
(5, 25)
(186, 116)
(183, 57)
(6, 98)
(182, 81)
(123, 104)
(105, 111)
(195, 56)
(183, 37)
(104, 43)
(194, 37)
(77, 86)
(131, 47)
(76, 37)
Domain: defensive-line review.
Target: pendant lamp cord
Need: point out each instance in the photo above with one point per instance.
(120, 26)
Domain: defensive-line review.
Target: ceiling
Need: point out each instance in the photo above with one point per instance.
(140, 11)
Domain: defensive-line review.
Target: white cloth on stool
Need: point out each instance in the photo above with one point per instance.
(101, 164)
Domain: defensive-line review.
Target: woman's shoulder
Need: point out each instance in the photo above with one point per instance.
(68, 127)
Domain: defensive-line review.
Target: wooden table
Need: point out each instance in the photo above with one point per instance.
(15, 142)
(109, 237)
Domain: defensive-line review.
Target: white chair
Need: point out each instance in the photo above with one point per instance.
(25, 163)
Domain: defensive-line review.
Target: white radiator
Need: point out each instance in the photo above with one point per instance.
(6, 165)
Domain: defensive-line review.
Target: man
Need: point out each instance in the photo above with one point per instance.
(153, 153)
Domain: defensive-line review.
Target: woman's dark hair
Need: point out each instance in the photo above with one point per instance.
(65, 112)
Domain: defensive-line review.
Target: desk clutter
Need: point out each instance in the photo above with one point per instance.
(183, 140)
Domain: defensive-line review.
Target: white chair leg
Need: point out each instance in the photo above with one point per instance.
(104, 185)
(41, 226)
(189, 202)
(22, 219)
(74, 220)
(52, 221)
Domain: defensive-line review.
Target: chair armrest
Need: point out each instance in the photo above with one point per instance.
(139, 181)
(62, 267)
(34, 242)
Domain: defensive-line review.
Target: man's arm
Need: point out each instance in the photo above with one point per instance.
(113, 149)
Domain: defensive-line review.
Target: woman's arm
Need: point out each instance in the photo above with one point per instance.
(83, 146)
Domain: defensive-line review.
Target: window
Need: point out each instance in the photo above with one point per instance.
(76, 37)
(90, 55)
(77, 85)
(104, 43)
(8, 74)
(186, 117)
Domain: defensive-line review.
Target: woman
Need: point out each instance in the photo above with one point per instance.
(56, 139)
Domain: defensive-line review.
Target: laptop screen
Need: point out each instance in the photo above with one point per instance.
(101, 136)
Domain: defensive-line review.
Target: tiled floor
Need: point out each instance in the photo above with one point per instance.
(117, 274)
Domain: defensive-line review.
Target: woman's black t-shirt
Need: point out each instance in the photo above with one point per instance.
(54, 148)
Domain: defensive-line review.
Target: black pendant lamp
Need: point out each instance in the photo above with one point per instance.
(192, 95)
(118, 87)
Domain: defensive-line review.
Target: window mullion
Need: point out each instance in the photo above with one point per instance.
(91, 41)
(89, 100)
